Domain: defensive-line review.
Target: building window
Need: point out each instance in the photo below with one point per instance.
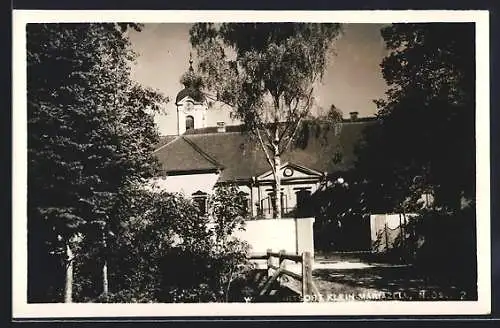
(284, 203)
(266, 204)
(303, 197)
(200, 199)
(189, 122)
(270, 202)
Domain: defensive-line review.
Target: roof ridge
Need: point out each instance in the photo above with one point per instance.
(201, 131)
(163, 146)
(202, 153)
(213, 133)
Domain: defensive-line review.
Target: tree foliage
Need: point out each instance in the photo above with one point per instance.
(332, 115)
(152, 225)
(90, 133)
(167, 250)
(228, 210)
(425, 140)
(267, 73)
(90, 142)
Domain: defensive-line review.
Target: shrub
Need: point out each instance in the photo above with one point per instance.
(442, 246)
(165, 250)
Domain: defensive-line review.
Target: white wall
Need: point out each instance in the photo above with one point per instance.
(270, 234)
(291, 235)
(385, 228)
(187, 184)
(197, 110)
(219, 112)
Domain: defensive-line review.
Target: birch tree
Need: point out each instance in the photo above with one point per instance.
(266, 72)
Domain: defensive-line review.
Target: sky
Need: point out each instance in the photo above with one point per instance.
(352, 80)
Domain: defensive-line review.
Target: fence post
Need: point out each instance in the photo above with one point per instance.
(306, 275)
(281, 260)
(269, 262)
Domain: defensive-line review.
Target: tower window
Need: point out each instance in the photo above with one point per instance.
(189, 122)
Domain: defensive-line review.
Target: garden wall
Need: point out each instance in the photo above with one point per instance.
(294, 235)
(385, 228)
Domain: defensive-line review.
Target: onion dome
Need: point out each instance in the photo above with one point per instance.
(192, 85)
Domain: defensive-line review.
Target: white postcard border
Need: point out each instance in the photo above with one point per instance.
(20, 307)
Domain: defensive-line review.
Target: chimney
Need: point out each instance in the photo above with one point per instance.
(221, 127)
(354, 116)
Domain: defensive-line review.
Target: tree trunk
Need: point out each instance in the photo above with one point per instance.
(105, 278)
(105, 264)
(68, 287)
(407, 245)
(277, 187)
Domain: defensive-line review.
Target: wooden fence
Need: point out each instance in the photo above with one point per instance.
(274, 272)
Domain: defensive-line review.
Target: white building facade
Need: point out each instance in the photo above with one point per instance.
(203, 155)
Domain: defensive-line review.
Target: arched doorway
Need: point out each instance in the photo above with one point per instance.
(189, 122)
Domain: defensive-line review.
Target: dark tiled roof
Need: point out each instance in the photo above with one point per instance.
(164, 140)
(181, 155)
(239, 154)
(326, 149)
(213, 129)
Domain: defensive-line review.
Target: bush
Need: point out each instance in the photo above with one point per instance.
(442, 246)
(165, 250)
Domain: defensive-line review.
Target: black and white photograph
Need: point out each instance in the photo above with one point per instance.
(326, 163)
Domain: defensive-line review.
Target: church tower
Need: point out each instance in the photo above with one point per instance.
(190, 102)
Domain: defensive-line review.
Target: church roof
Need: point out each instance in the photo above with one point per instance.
(164, 140)
(182, 156)
(238, 155)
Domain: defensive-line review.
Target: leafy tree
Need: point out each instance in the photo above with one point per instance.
(228, 208)
(425, 140)
(228, 211)
(266, 73)
(339, 207)
(157, 231)
(333, 115)
(90, 134)
(166, 250)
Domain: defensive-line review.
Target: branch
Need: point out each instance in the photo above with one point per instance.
(212, 97)
(263, 125)
(292, 114)
(303, 114)
(229, 283)
(290, 138)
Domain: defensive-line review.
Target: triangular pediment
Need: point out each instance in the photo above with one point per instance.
(291, 171)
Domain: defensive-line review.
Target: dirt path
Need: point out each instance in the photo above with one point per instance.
(385, 283)
(340, 282)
